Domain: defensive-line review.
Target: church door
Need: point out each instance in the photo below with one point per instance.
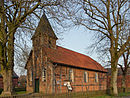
(36, 85)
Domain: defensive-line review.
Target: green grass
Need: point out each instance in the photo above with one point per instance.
(124, 94)
(81, 95)
(21, 92)
(67, 95)
(74, 95)
(108, 96)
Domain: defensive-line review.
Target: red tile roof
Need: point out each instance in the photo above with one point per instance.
(71, 58)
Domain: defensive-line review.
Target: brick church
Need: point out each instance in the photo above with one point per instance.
(54, 69)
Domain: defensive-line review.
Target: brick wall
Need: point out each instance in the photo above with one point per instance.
(58, 75)
(15, 82)
(119, 81)
(62, 74)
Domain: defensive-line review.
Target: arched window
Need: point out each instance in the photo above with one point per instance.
(86, 77)
(96, 77)
(71, 75)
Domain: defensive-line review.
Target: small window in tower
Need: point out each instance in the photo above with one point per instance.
(44, 74)
(49, 42)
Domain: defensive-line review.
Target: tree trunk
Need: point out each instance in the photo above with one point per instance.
(114, 90)
(114, 69)
(7, 82)
(124, 83)
(8, 67)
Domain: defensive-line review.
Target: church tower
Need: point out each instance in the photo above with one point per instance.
(44, 35)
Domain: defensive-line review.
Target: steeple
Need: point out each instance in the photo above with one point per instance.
(44, 34)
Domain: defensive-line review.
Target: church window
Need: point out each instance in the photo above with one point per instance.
(96, 77)
(71, 75)
(86, 77)
(44, 74)
(49, 44)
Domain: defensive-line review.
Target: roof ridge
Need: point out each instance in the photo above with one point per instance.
(71, 50)
(97, 65)
(78, 53)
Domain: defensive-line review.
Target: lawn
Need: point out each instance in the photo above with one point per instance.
(108, 96)
(71, 95)
(124, 94)
(21, 92)
(80, 95)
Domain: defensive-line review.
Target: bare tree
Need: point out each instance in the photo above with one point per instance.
(22, 44)
(20, 57)
(124, 68)
(106, 18)
(103, 52)
(13, 14)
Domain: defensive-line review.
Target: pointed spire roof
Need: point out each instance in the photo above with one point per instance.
(44, 27)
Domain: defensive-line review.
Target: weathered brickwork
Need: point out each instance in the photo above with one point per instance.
(58, 75)
(62, 75)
